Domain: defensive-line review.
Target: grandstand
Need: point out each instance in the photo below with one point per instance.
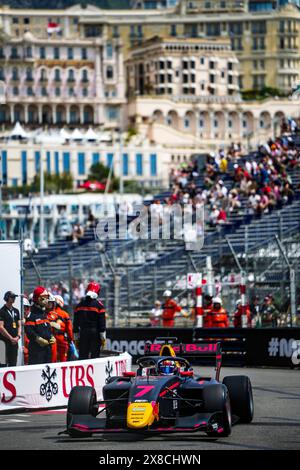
(145, 267)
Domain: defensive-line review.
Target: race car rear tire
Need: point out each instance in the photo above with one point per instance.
(241, 397)
(82, 401)
(216, 400)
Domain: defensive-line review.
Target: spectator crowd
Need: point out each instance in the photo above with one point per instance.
(255, 184)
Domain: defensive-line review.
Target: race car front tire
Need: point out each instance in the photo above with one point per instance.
(82, 401)
(241, 397)
(216, 400)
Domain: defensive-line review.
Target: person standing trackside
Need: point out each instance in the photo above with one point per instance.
(89, 323)
(170, 308)
(38, 329)
(64, 336)
(10, 328)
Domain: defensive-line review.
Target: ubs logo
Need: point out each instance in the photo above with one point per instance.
(49, 388)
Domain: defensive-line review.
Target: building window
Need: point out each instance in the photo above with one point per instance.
(109, 51)
(37, 158)
(15, 20)
(258, 27)
(4, 167)
(24, 166)
(56, 163)
(71, 92)
(109, 159)
(57, 91)
(59, 116)
(139, 164)
(15, 74)
(92, 31)
(66, 162)
(81, 163)
(95, 158)
(48, 158)
(14, 53)
(26, 20)
(56, 53)
(84, 53)
(71, 77)
(202, 61)
(29, 52)
(30, 91)
(44, 91)
(112, 113)
(29, 76)
(15, 91)
(70, 53)
(74, 118)
(84, 76)
(85, 92)
(116, 33)
(173, 30)
(153, 164)
(125, 164)
(213, 29)
(109, 73)
(57, 75)
(186, 123)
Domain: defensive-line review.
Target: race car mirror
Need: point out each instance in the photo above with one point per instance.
(129, 373)
(187, 373)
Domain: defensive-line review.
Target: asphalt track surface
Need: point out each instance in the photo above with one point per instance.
(276, 424)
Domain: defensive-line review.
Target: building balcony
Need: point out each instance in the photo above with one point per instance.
(207, 99)
(15, 57)
(288, 71)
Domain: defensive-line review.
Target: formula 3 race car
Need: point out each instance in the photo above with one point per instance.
(164, 395)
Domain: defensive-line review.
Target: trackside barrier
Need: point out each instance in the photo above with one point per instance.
(49, 385)
(275, 347)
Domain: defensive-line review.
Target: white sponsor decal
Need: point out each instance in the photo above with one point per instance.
(282, 347)
(133, 347)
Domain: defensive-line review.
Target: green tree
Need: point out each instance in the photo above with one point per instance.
(53, 183)
(98, 172)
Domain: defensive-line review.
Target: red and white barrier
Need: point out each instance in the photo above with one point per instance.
(49, 385)
(199, 303)
(244, 320)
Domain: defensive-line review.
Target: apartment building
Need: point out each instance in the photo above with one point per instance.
(51, 74)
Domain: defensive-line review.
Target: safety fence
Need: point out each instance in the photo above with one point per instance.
(274, 347)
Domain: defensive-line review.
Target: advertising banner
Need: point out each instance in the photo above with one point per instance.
(49, 385)
(276, 347)
(132, 340)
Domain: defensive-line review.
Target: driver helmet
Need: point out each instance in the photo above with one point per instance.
(167, 368)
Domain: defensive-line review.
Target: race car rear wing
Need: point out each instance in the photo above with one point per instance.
(167, 347)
